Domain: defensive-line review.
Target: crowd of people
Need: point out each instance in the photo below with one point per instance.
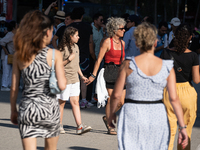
(147, 72)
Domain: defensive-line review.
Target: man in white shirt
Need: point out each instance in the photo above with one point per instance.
(175, 22)
(130, 47)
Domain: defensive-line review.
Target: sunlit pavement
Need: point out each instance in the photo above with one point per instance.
(97, 139)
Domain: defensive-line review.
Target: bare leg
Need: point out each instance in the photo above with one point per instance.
(74, 100)
(62, 105)
(108, 104)
(29, 143)
(51, 143)
(119, 105)
(83, 89)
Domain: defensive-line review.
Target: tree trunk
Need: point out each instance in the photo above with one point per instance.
(184, 12)
(165, 10)
(155, 13)
(177, 13)
(195, 22)
(136, 7)
(40, 5)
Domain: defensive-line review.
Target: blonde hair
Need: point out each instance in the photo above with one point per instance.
(113, 25)
(145, 35)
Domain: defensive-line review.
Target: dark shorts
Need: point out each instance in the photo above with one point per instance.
(111, 85)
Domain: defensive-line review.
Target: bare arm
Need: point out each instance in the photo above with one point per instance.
(14, 90)
(195, 74)
(5, 50)
(49, 7)
(159, 48)
(175, 102)
(54, 41)
(59, 68)
(70, 58)
(81, 75)
(103, 50)
(91, 47)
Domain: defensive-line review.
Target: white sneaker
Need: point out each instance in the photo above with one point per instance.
(90, 104)
(83, 129)
(5, 89)
(62, 131)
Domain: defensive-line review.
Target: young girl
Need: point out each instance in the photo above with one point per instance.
(70, 52)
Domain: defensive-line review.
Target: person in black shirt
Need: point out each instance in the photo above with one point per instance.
(86, 48)
(186, 66)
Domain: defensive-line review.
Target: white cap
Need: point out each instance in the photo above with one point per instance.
(175, 21)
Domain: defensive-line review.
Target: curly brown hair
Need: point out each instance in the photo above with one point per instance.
(66, 40)
(182, 35)
(28, 39)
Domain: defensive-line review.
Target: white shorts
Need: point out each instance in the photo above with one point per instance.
(71, 90)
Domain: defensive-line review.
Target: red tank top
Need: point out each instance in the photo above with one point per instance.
(114, 55)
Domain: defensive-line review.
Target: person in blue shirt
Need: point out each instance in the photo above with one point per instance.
(130, 47)
(162, 30)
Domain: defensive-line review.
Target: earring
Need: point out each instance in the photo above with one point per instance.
(190, 41)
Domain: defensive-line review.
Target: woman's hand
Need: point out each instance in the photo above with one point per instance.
(53, 4)
(13, 117)
(183, 138)
(84, 79)
(110, 119)
(90, 80)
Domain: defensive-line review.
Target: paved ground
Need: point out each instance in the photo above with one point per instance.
(97, 139)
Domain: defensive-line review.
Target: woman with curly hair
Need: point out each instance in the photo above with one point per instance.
(70, 52)
(186, 65)
(112, 50)
(143, 122)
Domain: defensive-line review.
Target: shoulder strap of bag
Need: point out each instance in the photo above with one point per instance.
(121, 50)
(177, 67)
(53, 58)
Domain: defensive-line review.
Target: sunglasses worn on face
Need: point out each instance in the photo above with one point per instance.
(121, 29)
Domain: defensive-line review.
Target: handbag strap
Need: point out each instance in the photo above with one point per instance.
(177, 67)
(53, 58)
(121, 50)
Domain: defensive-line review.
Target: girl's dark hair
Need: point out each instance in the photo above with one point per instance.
(28, 39)
(182, 35)
(66, 40)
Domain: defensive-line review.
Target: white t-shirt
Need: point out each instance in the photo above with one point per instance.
(167, 41)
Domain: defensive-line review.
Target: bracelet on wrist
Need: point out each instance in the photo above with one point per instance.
(182, 127)
(92, 75)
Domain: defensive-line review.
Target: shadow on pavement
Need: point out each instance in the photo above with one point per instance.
(81, 148)
(68, 130)
(8, 125)
(40, 148)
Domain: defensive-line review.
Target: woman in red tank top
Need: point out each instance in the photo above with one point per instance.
(112, 49)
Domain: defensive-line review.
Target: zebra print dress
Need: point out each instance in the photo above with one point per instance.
(39, 114)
